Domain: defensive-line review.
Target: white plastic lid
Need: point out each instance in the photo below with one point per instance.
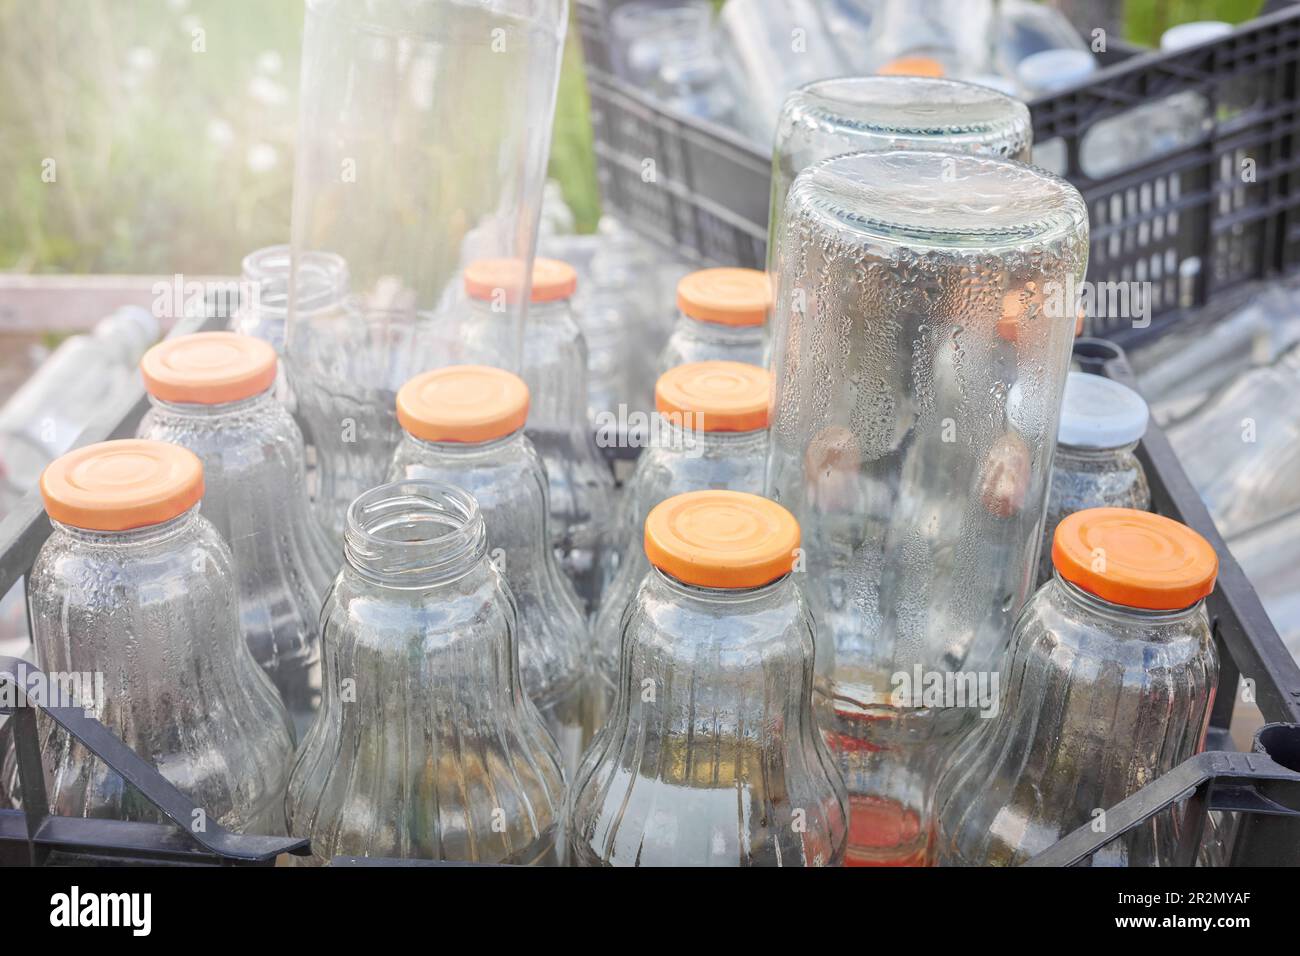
(1190, 34)
(1050, 70)
(1100, 413)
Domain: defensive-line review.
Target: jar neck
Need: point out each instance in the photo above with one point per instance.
(217, 410)
(538, 312)
(414, 534)
(720, 331)
(1093, 455)
(1096, 606)
(133, 537)
(683, 592)
(677, 436)
(266, 274)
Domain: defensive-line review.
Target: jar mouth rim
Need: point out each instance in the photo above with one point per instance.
(393, 505)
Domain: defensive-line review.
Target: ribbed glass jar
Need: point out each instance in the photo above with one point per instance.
(150, 611)
(426, 746)
(711, 755)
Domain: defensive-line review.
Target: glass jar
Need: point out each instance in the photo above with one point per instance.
(391, 178)
(914, 292)
(710, 432)
(554, 365)
(213, 393)
(1242, 448)
(136, 588)
(722, 315)
(1108, 685)
(711, 756)
(1095, 465)
(426, 746)
(871, 113)
(464, 426)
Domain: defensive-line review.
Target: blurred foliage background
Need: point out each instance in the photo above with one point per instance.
(170, 126)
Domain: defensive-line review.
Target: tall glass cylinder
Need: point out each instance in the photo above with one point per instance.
(869, 113)
(923, 323)
(424, 132)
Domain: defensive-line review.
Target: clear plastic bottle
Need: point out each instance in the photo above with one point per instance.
(710, 433)
(712, 756)
(868, 113)
(134, 586)
(212, 393)
(426, 746)
(721, 314)
(1242, 448)
(390, 177)
(554, 366)
(913, 298)
(1108, 685)
(1095, 465)
(464, 426)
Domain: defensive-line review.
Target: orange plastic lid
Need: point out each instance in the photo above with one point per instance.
(1134, 558)
(208, 368)
(726, 296)
(721, 539)
(120, 485)
(488, 278)
(912, 66)
(463, 403)
(715, 396)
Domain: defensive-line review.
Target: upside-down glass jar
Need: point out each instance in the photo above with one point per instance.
(464, 425)
(391, 177)
(870, 113)
(721, 315)
(711, 756)
(212, 393)
(134, 586)
(710, 432)
(1095, 465)
(554, 365)
(1108, 685)
(426, 746)
(916, 294)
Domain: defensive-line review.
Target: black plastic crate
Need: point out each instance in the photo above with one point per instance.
(708, 193)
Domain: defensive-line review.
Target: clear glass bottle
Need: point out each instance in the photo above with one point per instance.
(426, 746)
(712, 756)
(1242, 448)
(868, 113)
(915, 293)
(554, 366)
(464, 426)
(137, 588)
(721, 314)
(710, 432)
(213, 393)
(1108, 685)
(390, 177)
(1095, 465)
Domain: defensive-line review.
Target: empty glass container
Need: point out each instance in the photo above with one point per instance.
(554, 365)
(464, 426)
(914, 292)
(1095, 465)
(721, 314)
(136, 588)
(870, 113)
(710, 433)
(426, 746)
(391, 177)
(1242, 448)
(1108, 685)
(212, 393)
(711, 756)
